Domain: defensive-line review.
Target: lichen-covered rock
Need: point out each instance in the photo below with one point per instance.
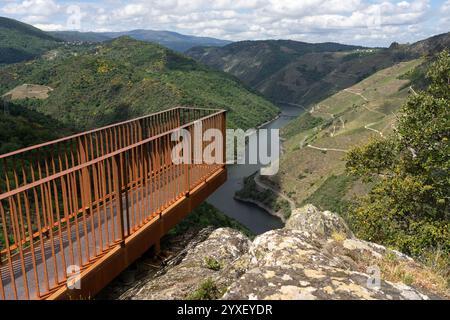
(292, 264)
(209, 255)
(321, 224)
(315, 256)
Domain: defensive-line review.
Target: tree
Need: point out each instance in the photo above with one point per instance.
(408, 208)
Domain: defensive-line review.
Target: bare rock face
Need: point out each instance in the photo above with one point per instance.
(293, 264)
(314, 257)
(321, 224)
(208, 256)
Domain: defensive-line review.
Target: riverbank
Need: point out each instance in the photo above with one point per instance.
(267, 122)
(264, 198)
(253, 216)
(261, 205)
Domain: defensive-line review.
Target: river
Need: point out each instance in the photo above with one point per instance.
(251, 216)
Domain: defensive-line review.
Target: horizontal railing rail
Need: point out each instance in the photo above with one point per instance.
(26, 166)
(73, 214)
(45, 159)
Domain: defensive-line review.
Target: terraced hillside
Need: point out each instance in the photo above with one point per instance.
(317, 141)
(125, 78)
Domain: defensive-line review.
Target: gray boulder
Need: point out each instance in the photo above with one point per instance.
(315, 256)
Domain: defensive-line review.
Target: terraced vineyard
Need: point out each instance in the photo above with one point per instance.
(316, 142)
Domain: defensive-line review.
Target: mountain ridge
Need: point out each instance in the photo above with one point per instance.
(125, 78)
(286, 71)
(170, 39)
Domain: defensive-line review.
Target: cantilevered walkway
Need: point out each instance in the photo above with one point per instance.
(77, 211)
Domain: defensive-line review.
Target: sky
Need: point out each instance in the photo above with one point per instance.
(363, 22)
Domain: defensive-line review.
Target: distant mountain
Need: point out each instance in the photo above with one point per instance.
(169, 39)
(77, 36)
(124, 78)
(254, 61)
(284, 70)
(303, 73)
(20, 41)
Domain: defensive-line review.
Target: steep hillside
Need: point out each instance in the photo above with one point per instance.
(303, 74)
(20, 41)
(172, 40)
(125, 78)
(254, 61)
(431, 45)
(21, 127)
(318, 140)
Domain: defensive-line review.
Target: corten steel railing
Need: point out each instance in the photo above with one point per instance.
(68, 202)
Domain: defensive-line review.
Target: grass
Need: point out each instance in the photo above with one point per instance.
(208, 290)
(331, 194)
(285, 71)
(212, 264)
(2, 240)
(303, 122)
(396, 270)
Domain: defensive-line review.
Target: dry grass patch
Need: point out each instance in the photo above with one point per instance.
(28, 91)
(393, 269)
(338, 236)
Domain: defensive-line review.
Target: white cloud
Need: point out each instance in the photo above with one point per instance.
(308, 20)
(131, 10)
(32, 7)
(50, 27)
(403, 4)
(446, 7)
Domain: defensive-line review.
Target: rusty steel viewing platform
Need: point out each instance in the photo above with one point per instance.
(84, 207)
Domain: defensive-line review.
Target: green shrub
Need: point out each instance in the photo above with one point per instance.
(408, 208)
(212, 264)
(126, 78)
(208, 290)
(2, 240)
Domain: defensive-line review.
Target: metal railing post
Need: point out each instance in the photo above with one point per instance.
(117, 179)
(224, 138)
(85, 180)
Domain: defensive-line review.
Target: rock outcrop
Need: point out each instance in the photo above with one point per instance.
(208, 256)
(315, 256)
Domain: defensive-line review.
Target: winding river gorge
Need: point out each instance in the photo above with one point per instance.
(252, 216)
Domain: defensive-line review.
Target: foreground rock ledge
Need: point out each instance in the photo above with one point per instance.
(314, 257)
